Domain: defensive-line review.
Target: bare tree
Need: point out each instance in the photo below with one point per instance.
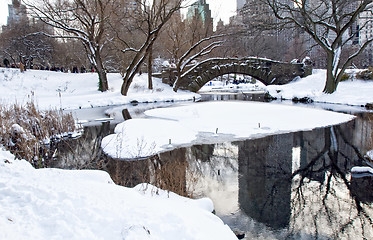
(173, 39)
(149, 19)
(330, 24)
(85, 20)
(194, 53)
(188, 41)
(16, 42)
(178, 37)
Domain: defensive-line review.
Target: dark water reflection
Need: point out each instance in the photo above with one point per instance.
(288, 186)
(293, 186)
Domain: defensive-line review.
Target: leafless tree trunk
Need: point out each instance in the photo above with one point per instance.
(85, 20)
(150, 68)
(328, 23)
(150, 19)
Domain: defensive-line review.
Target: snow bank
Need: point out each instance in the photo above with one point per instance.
(362, 170)
(168, 128)
(352, 92)
(79, 90)
(86, 204)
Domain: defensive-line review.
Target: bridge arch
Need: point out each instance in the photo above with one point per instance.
(265, 70)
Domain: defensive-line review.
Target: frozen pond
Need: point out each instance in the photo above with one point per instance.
(286, 186)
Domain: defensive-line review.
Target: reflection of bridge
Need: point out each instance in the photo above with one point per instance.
(265, 70)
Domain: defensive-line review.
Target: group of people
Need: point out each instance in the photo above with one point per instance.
(82, 69)
(22, 66)
(7, 64)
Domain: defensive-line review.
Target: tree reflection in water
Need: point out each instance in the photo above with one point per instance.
(294, 185)
(331, 206)
(298, 184)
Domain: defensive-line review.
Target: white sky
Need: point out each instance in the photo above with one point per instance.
(221, 9)
(3, 11)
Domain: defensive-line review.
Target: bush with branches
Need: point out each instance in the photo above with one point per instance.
(27, 132)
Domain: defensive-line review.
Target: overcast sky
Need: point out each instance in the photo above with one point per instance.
(3, 11)
(221, 9)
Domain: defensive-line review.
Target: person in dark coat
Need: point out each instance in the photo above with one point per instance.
(75, 69)
(6, 62)
(82, 69)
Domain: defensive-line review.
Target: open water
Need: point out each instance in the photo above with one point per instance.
(288, 186)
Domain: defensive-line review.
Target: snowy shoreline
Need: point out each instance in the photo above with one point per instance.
(352, 92)
(69, 91)
(86, 204)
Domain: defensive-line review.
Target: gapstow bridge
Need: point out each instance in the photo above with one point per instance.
(264, 70)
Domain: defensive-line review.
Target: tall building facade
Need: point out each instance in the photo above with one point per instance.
(201, 10)
(257, 12)
(359, 32)
(363, 35)
(240, 4)
(365, 22)
(258, 16)
(17, 13)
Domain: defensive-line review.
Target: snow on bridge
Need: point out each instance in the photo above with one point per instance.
(265, 70)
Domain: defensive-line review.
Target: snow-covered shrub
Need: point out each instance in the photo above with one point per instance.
(25, 130)
(365, 74)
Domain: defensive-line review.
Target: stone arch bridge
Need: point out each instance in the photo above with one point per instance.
(265, 70)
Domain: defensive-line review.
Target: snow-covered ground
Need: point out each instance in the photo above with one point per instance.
(352, 92)
(220, 86)
(73, 91)
(86, 204)
(79, 90)
(61, 204)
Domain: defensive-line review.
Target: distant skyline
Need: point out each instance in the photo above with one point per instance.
(221, 9)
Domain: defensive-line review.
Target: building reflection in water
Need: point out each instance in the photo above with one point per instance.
(264, 184)
(301, 182)
(294, 185)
